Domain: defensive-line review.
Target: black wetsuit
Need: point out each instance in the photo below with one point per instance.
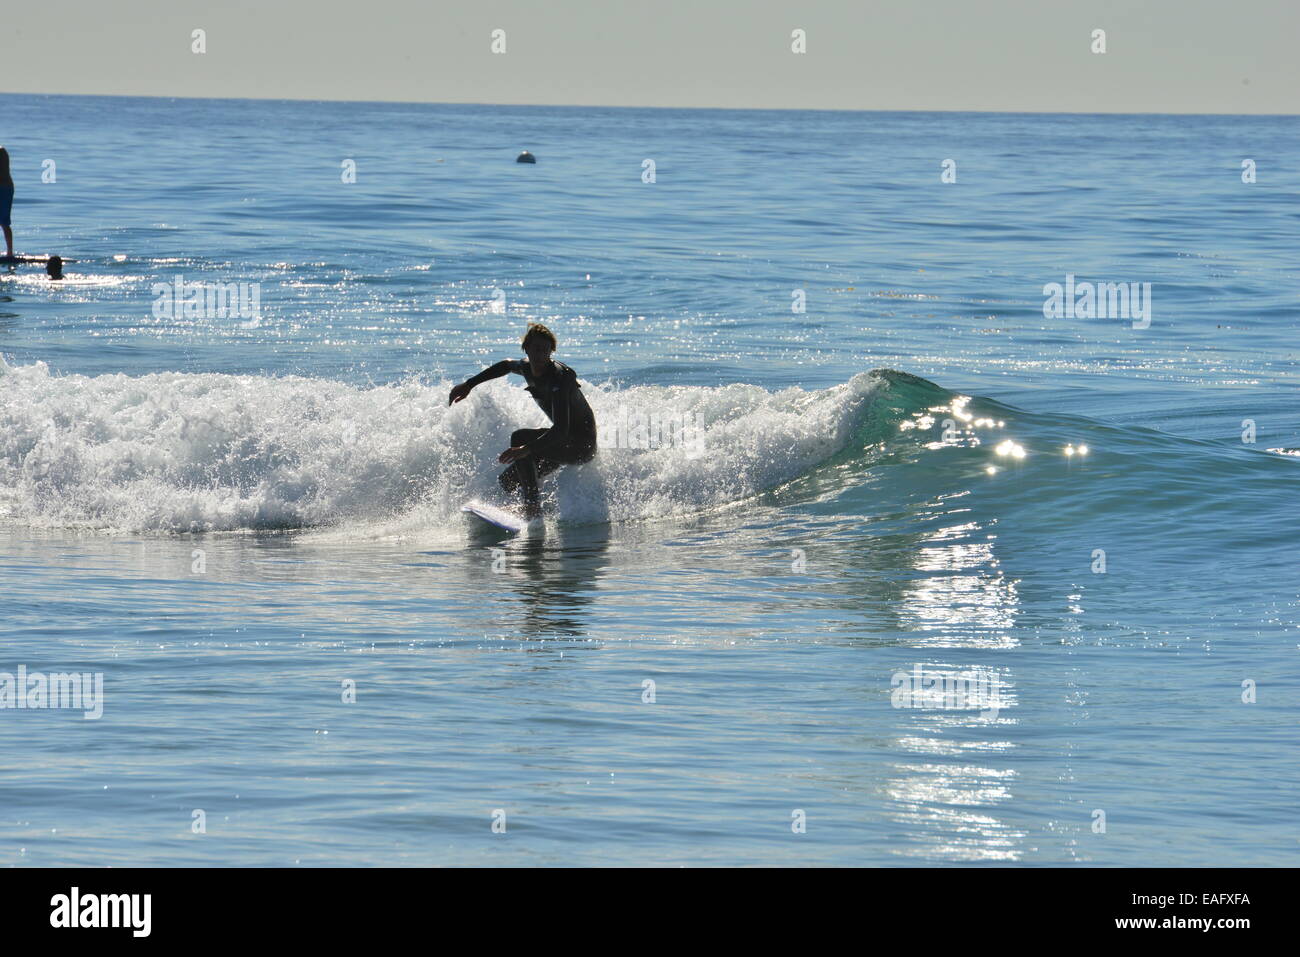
(570, 439)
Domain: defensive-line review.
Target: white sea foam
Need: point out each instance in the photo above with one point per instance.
(206, 452)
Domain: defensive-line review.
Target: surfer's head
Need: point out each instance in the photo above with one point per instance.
(538, 331)
(539, 342)
(54, 267)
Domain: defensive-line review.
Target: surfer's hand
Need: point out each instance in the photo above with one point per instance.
(459, 392)
(510, 455)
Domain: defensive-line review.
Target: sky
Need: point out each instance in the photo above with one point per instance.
(1162, 56)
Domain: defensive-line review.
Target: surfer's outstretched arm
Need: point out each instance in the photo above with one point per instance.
(495, 371)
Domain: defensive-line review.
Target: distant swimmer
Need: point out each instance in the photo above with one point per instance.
(54, 267)
(525, 157)
(533, 453)
(6, 201)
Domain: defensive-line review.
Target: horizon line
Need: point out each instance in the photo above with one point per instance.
(625, 106)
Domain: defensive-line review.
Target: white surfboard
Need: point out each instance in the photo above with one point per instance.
(500, 517)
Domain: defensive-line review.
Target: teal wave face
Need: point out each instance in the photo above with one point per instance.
(1056, 475)
(986, 503)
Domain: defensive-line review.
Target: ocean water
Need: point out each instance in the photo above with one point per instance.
(917, 575)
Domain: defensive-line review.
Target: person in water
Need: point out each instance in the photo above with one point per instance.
(571, 438)
(6, 201)
(54, 267)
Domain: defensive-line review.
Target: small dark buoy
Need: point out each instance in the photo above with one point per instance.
(525, 157)
(54, 267)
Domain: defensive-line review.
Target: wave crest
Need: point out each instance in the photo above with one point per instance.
(191, 452)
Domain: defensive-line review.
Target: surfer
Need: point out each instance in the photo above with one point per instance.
(6, 201)
(571, 438)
